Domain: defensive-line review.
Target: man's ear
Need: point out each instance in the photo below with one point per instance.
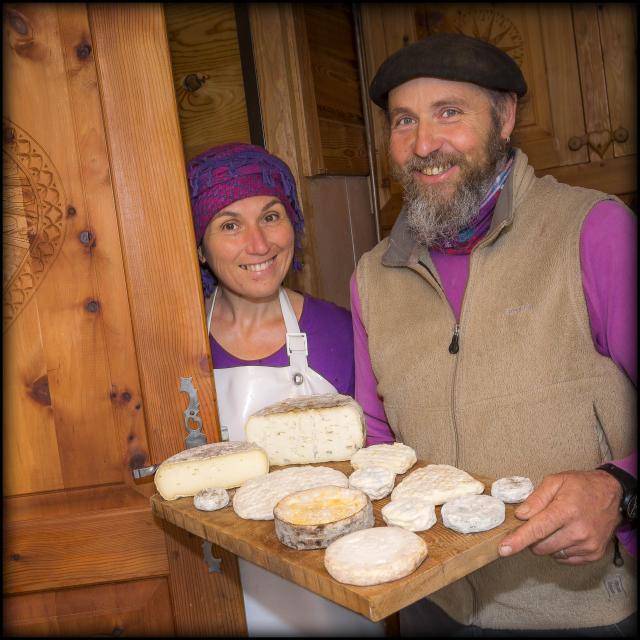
(509, 116)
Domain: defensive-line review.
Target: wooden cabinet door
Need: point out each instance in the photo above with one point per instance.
(102, 316)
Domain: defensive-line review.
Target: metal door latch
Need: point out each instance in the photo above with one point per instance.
(195, 438)
(214, 563)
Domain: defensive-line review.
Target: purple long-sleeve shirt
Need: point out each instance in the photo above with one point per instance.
(608, 260)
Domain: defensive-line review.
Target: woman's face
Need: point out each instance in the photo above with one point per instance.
(249, 246)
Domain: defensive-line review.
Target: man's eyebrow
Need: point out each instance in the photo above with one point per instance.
(454, 99)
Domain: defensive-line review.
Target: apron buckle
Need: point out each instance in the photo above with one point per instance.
(297, 343)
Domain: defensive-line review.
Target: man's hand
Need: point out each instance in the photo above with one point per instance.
(571, 515)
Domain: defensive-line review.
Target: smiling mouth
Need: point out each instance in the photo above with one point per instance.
(436, 171)
(261, 266)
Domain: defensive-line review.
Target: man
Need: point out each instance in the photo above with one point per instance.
(495, 331)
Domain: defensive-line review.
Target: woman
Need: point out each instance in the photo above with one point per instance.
(268, 342)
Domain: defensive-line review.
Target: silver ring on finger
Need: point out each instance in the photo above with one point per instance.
(562, 554)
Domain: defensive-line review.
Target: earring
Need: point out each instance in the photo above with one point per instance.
(508, 139)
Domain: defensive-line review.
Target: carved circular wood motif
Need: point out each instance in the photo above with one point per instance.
(33, 221)
(491, 26)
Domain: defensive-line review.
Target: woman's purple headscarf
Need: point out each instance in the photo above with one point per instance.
(228, 173)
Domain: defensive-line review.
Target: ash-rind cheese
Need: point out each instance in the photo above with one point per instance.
(437, 484)
(256, 499)
(397, 457)
(314, 518)
(211, 499)
(376, 482)
(472, 513)
(373, 556)
(308, 429)
(512, 489)
(410, 513)
(218, 465)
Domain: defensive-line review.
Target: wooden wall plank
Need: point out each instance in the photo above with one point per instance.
(279, 86)
(82, 549)
(203, 40)
(140, 608)
(149, 177)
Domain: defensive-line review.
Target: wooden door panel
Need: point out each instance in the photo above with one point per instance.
(138, 608)
(617, 24)
(83, 549)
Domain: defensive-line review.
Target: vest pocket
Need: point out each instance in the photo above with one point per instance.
(603, 443)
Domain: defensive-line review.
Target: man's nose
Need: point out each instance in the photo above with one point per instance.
(427, 139)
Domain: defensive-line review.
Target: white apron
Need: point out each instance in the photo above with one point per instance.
(274, 606)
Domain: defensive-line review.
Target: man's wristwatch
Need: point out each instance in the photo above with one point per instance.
(629, 501)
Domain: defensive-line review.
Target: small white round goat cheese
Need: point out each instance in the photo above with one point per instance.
(512, 489)
(410, 513)
(376, 482)
(211, 499)
(472, 513)
(397, 456)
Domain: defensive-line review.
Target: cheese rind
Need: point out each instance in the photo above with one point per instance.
(218, 465)
(376, 482)
(512, 489)
(308, 429)
(313, 518)
(472, 513)
(256, 499)
(373, 556)
(437, 484)
(397, 457)
(211, 499)
(410, 513)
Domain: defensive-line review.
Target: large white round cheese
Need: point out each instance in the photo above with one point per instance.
(512, 489)
(313, 518)
(397, 457)
(318, 428)
(437, 484)
(473, 513)
(409, 513)
(256, 499)
(376, 482)
(373, 556)
(218, 465)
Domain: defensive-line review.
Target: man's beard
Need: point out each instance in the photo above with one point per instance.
(436, 218)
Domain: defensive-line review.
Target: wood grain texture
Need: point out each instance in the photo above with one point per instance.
(282, 91)
(139, 608)
(72, 336)
(213, 600)
(592, 78)
(618, 24)
(451, 555)
(97, 200)
(149, 180)
(203, 41)
(54, 553)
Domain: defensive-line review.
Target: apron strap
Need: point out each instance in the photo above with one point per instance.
(296, 340)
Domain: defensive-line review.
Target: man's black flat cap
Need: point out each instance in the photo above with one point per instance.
(448, 56)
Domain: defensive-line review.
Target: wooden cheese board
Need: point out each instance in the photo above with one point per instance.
(451, 555)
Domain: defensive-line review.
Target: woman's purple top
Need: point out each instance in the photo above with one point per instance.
(608, 255)
(329, 340)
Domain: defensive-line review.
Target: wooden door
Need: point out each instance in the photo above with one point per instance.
(102, 316)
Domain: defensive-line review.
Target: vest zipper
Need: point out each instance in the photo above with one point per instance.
(454, 346)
